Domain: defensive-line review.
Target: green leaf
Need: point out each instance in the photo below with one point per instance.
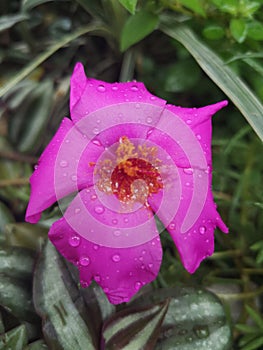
(36, 345)
(8, 21)
(195, 319)
(130, 5)
(136, 328)
(57, 300)
(137, 28)
(16, 296)
(16, 339)
(213, 32)
(194, 5)
(255, 30)
(228, 6)
(238, 29)
(6, 217)
(254, 344)
(29, 4)
(26, 235)
(222, 75)
(257, 318)
(16, 262)
(45, 55)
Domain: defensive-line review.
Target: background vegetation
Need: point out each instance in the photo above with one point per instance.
(190, 52)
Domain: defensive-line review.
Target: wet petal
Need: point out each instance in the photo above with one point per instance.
(89, 95)
(121, 272)
(61, 169)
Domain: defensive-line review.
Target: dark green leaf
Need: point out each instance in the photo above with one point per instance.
(223, 76)
(213, 32)
(6, 216)
(16, 262)
(195, 319)
(229, 6)
(137, 28)
(26, 235)
(36, 345)
(238, 29)
(257, 318)
(136, 328)
(130, 5)
(29, 4)
(255, 30)
(254, 344)
(16, 339)
(10, 20)
(56, 299)
(194, 5)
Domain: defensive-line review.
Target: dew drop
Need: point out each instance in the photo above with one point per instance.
(172, 226)
(95, 131)
(77, 210)
(153, 98)
(150, 265)
(116, 258)
(67, 141)
(95, 247)
(96, 142)
(74, 178)
(74, 241)
(187, 184)
(198, 136)
(63, 164)
(117, 233)
(84, 261)
(101, 88)
(106, 290)
(202, 230)
(149, 132)
(114, 221)
(99, 209)
(188, 171)
(35, 167)
(188, 121)
(143, 267)
(201, 331)
(143, 252)
(93, 197)
(114, 88)
(141, 258)
(137, 106)
(126, 220)
(134, 88)
(97, 278)
(137, 285)
(149, 120)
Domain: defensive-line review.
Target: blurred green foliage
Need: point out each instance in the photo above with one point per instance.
(40, 41)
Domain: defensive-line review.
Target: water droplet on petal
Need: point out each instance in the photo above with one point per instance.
(137, 106)
(74, 178)
(201, 331)
(95, 131)
(114, 88)
(117, 233)
(188, 121)
(202, 230)
(35, 167)
(149, 120)
(171, 226)
(116, 258)
(143, 267)
(198, 136)
(153, 98)
(77, 210)
(63, 164)
(93, 197)
(150, 265)
(143, 252)
(101, 88)
(96, 142)
(137, 285)
(141, 258)
(106, 290)
(84, 261)
(126, 220)
(95, 247)
(114, 221)
(188, 171)
(134, 88)
(99, 209)
(74, 241)
(97, 278)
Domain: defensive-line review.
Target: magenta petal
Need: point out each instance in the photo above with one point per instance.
(121, 272)
(89, 95)
(61, 169)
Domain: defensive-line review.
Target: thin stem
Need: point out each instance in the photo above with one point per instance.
(128, 65)
(18, 157)
(241, 296)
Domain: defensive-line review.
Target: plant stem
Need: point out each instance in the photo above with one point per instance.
(14, 182)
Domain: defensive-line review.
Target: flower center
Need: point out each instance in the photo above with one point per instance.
(133, 175)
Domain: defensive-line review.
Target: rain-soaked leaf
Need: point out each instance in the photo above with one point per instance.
(137, 28)
(16, 262)
(195, 319)
(26, 235)
(6, 216)
(135, 328)
(16, 339)
(9, 20)
(58, 301)
(16, 296)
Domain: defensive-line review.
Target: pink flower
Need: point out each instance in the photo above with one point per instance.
(125, 156)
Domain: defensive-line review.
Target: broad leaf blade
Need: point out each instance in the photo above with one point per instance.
(130, 5)
(16, 339)
(244, 99)
(136, 328)
(8, 21)
(137, 28)
(56, 299)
